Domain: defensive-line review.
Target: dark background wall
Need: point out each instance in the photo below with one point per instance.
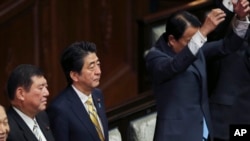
(36, 31)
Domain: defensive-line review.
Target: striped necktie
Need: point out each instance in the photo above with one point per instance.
(93, 116)
(36, 131)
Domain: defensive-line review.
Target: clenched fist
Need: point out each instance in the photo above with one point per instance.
(241, 8)
(213, 19)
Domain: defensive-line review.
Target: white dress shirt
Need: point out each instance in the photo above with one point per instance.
(30, 122)
(83, 97)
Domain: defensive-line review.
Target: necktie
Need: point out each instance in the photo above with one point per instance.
(36, 132)
(205, 130)
(93, 116)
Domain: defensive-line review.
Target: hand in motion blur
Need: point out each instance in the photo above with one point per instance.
(213, 19)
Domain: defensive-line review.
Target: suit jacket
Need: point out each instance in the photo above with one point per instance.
(70, 120)
(19, 130)
(230, 87)
(180, 87)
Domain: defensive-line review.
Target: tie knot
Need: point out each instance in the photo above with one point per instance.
(89, 101)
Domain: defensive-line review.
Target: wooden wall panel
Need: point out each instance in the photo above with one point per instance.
(108, 24)
(49, 52)
(119, 76)
(36, 32)
(16, 39)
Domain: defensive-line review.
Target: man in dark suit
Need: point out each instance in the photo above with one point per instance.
(229, 81)
(27, 91)
(177, 65)
(70, 116)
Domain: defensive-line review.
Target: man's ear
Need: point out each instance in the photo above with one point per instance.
(74, 75)
(171, 41)
(20, 92)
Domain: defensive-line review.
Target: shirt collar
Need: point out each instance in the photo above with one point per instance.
(29, 121)
(81, 95)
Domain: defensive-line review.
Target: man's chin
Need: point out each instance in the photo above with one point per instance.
(96, 84)
(43, 107)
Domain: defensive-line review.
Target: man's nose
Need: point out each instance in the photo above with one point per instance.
(46, 92)
(98, 70)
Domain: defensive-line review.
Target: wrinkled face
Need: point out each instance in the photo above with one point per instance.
(90, 75)
(35, 99)
(4, 126)
(179, 45)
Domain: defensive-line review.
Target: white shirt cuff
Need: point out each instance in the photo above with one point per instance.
(196, 42)
(240, 27)
(228, 4)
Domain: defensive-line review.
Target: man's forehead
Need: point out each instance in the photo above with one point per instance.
(2, 112)
(91, 57)
(38, 79)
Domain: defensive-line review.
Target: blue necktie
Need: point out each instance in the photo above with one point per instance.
(205, 129)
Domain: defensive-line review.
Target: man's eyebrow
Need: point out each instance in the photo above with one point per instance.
(91, 63)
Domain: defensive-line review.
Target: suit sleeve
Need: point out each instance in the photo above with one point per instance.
(218, 49)
(165, 67)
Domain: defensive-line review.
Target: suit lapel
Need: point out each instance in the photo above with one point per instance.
(28, 134)
(101, 111)
(98, 106)
(200, 65)
(45, 128)
(81, 113)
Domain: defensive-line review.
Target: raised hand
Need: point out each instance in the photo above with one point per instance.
(241, 8)
(213, 19)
